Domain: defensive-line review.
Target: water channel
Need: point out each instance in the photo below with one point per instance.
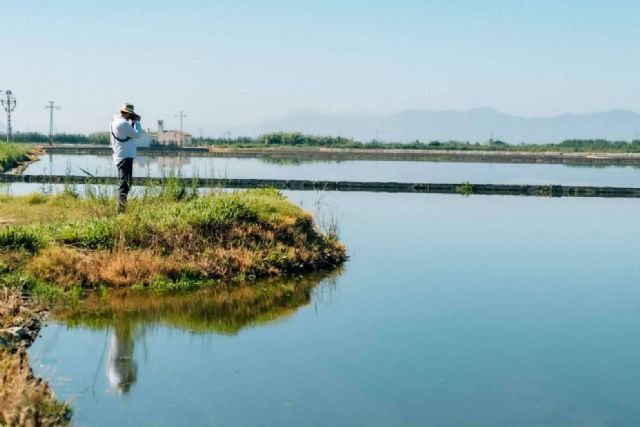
(348, 170)
(453, 310)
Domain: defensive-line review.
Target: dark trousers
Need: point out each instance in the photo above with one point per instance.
(125, 177)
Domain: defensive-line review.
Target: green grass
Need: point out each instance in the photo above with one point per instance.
(466, 189)
(12, 154)
(152, 218)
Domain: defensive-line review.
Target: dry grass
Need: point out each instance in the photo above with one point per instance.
(24, 399)
(12, 308)
(67, 266)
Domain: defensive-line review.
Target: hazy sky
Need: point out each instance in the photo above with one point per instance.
(240, 62)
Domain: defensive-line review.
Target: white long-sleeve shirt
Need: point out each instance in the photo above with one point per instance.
(122, 129)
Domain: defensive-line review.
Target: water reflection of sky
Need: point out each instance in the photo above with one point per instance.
(350, 170)
(483, 311)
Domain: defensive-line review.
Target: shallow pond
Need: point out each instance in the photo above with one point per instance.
(350, 170)
(481, 310)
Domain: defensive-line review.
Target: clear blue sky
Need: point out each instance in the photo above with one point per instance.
(240, 62)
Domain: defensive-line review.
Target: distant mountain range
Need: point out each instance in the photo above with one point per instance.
(477, 125)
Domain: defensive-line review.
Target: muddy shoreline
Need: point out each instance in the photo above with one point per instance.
(32, 157)
(25, 400)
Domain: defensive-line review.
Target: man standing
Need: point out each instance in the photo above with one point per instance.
(125, 128)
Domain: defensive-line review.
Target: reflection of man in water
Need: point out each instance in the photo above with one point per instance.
(122, 370)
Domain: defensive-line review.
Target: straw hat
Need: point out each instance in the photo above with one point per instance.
(127, 108)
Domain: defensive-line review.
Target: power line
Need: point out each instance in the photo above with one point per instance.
(51, 107)
(9, 104)
(181, 115)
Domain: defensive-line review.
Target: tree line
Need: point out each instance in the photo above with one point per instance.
(60, 138)
(296, 139)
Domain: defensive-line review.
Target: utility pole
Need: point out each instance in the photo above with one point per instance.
(181, 115)
(9, 104)
(51, 107)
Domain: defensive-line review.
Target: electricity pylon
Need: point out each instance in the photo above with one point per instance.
(9, 104)
(51, 107)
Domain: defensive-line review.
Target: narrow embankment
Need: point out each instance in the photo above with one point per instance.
(388, 187)
(320, 153)
(552, 157)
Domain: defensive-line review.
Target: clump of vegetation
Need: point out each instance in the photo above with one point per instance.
(299, 139)
(12, 154)
(165, 237)
(466, 189)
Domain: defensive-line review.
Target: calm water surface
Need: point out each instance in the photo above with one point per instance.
(453, 311)
(351, 170)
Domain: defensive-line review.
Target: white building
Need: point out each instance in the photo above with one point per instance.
(170, 137)
(174, 138)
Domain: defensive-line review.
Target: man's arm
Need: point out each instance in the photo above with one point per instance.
(133, 132)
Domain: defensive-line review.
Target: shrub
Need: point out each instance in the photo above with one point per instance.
(20, 238)
(92, 234)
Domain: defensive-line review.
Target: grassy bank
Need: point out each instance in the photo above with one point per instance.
(170, 239)
(12, 154)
